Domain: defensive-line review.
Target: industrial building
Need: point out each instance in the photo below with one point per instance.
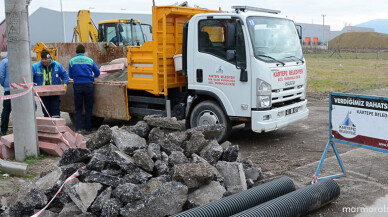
(46, 26)
(314, 34)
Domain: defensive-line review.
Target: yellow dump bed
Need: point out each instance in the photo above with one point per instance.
(151, 66)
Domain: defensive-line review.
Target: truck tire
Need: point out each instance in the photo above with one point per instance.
(96, 121)
(209, 112)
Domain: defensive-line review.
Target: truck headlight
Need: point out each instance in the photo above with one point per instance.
(263, 94)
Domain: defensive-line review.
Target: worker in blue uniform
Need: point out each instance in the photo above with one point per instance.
(49, 72)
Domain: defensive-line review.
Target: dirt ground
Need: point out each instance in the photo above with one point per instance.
(294, 151)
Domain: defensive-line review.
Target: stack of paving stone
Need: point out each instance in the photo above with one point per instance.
(53, 135)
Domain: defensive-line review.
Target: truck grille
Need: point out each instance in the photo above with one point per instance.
(288, 95)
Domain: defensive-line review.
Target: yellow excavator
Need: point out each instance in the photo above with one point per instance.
(121, 32)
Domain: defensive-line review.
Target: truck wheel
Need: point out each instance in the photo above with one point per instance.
(96, 121)
(209, 113)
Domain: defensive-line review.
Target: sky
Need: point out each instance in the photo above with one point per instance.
(338, 12)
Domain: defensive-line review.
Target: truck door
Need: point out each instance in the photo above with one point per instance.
(214, 73)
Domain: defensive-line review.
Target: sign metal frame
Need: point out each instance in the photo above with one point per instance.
(332, 141)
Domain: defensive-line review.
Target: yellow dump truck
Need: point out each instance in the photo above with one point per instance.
(207, 67)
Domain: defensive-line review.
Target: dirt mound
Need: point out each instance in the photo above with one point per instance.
(360, 40)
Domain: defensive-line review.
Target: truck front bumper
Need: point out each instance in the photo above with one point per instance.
(264, 121)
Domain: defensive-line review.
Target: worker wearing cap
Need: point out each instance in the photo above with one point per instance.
(4, 81)
(49, 72)
(83, 70)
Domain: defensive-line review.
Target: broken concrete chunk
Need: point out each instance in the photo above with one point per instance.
(168, 147)
(127, 193)
(48, 181)
(151, 186)
(70, 209)
(209, 131)
(212, 152)
(100, 138)
(46, 213)
(126, 162)
(195, 144)
(225, 145)
(247, 163)
(69, 169)
(83, 194)
(230, 154)
(112, 172)
(177, 157)
(97, 162)
(156, 135)
(178, 138)
(163, 122)
(234, 177)
(143, 160)
(205, 194)
(137, 176)
(253, 173)
(161, 168)
(111, 208)
(153, 151)
(74, 155)
(164, 157)
(128, 142)
(100, 200)
(141, 128)
(93, 176)
(167, 200)
(216, 174)
(192, 174)
(26, 200)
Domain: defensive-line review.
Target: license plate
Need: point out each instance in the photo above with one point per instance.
(291, 111)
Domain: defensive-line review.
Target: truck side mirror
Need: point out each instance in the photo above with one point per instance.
(243, 75)
(230, 55)
(231, 36)
(299, 30)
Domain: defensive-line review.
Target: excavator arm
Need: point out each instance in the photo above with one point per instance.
(85, 29)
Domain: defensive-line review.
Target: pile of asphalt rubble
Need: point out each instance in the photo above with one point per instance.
(155, 168)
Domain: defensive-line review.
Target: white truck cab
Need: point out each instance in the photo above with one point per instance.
(245, 66)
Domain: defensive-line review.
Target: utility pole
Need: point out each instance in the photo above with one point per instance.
(63, 23)
(323, 29)
(19, 63)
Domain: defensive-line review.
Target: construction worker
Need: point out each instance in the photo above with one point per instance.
(4, 81)
(83, 70)
(116, 40)
(49, 72)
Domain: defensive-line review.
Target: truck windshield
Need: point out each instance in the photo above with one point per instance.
(274, 37)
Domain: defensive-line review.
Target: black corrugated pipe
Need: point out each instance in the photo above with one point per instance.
(297, 203)
(238, 202)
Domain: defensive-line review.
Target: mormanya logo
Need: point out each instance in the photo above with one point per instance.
(347, 128)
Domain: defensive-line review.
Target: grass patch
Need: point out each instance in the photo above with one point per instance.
(30, 160)
(344, 75)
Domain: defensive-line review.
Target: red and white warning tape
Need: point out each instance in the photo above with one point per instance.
(75, 175)
(19, 87)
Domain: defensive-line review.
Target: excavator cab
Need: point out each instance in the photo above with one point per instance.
(121, 32)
